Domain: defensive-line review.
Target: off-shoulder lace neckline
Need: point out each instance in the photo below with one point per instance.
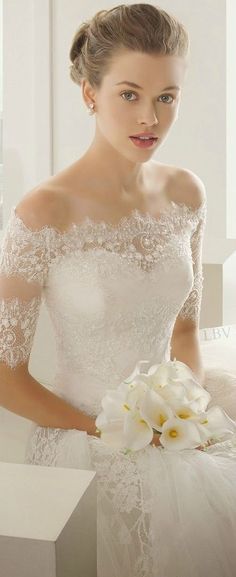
(135, 215)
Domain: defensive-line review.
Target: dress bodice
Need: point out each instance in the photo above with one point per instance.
(113, 293)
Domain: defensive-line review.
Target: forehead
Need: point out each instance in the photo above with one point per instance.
(143, 69)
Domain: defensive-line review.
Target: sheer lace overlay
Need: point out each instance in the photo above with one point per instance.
(146, 250)
(192, 305)
(17, 328)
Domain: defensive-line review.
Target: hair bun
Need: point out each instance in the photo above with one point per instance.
(136, 27)
(79, 41)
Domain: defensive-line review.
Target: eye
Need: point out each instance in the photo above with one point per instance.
(128, 92)
(167, 95)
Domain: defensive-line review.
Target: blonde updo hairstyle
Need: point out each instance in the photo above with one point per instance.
(138, 27)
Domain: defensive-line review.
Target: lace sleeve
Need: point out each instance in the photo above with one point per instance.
(23, 269)
(192, 305)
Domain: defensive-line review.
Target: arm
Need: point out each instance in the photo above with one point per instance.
(185, 342)
(24, 261)
(185, 347)
(25, 396)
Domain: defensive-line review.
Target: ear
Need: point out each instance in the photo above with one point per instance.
(88, 93)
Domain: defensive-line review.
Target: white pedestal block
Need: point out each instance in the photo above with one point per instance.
(47, 521)
(219, 288)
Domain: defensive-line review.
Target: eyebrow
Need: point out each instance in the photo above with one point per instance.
(137, 86)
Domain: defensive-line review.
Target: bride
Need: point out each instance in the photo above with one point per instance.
(113, 245)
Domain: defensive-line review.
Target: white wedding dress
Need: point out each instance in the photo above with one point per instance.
(113, 292)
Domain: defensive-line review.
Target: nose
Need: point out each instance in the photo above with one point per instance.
(149, 119)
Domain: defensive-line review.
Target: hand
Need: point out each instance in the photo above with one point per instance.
(156, 440)
(206, 444)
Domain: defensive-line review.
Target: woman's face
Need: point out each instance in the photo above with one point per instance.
(123, 110)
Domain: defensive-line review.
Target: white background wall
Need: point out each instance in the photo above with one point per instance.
(27, 108)
(231, 119)
(1, 97)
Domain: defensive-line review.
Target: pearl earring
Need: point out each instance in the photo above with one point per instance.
(91, 106)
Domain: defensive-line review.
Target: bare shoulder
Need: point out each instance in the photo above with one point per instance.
(187, 187)
(45, 205)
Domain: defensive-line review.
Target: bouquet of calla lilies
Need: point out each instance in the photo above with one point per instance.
(167, 400)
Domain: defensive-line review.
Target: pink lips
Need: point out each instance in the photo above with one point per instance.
(143, 143)
(148, 134)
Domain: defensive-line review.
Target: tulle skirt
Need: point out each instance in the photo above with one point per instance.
(159, 513)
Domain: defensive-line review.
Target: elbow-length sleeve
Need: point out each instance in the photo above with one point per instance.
(192, 305)
(24, 258)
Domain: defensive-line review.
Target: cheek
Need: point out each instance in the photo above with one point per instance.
(113, 110)
(107, 118)
(112, 124)
(168, 113)
(121, 109)
(116, 117)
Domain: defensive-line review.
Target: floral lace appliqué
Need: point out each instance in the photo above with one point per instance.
(17, 328)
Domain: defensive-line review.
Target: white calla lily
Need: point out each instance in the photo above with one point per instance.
(173, 393)
(158, 376)
(200, 420)
(172, 372)
(181, 371)
(155, 410)
(217, 423)
(116, 403)
(195, 393)
(185, 411)
(178, 434)
(136, 393)
(137, 431)
(113, 434)
(136, 371)
(112, 406)
(169, 371)
(124, 388)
